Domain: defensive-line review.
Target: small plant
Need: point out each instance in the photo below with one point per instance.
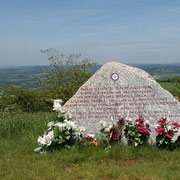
(166, 132)
(61, 133)
(137, 134)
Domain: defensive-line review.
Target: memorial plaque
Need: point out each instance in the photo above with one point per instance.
(120, 91)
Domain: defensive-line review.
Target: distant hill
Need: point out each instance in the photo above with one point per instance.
(161, 71)
(27, 76)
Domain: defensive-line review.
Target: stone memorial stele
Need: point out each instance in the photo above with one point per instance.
(120, 91)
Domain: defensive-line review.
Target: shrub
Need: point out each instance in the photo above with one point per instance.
(15, 98)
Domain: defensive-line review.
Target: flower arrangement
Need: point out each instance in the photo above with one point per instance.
(61, 132)
(166, 132)
(89, 140)
(111, 131)
(137, 133)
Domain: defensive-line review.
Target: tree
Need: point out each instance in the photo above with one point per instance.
(66, 73)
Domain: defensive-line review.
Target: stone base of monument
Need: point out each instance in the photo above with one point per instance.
(120, 91)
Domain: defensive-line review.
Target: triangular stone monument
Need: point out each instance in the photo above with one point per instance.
(120, 91)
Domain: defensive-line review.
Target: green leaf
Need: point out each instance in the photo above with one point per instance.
(56, 131)
(67, 133)
(136, 144)
(67, 137)
(161, 141)
(38, 149)
(56, 140)
(61, 141)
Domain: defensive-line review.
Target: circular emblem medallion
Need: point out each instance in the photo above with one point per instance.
(115, 76)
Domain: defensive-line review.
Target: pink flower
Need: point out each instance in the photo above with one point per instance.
(162, 121)
(115, 136)
(160, 130)
(89, 138)
(140, 125)
(169, 134)
(140, 121)
(143, 130)
(121, 121)
(176, 125)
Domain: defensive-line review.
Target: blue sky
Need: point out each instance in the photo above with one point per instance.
(127, 31)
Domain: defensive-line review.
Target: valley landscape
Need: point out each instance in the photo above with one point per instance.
(28, 76)
(90, 89)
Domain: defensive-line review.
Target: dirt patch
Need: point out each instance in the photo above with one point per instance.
(126, 163)
(117, 163)
(68, 169)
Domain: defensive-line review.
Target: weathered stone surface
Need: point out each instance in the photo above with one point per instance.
(129, 93)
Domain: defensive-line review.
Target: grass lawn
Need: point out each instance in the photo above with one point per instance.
(18, 139)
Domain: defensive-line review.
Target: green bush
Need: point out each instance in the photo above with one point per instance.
(176, 81)
(15, 98)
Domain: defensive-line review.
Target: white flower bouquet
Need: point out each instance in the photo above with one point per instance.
(61, 132)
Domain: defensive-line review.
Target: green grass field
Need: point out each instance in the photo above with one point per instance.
(18, 138)
(170, 87)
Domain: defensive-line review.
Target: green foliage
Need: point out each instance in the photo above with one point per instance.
(172, 85)
(136, 134)
(164, 142)
(66, 74)
(15, 98)
(169, 86)
(176, 81)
